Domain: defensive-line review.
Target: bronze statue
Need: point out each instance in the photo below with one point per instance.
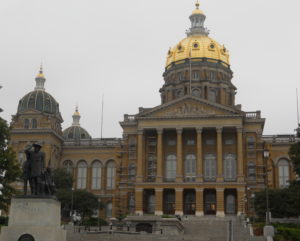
(34, 170)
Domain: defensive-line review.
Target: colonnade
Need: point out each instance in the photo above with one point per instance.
(199, 154)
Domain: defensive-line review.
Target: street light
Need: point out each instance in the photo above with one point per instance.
(72, 201)
(266, 157)
(1, 187)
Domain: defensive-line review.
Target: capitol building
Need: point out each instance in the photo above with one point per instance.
(197, 153)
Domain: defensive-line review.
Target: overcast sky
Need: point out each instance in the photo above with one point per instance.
(118, 48)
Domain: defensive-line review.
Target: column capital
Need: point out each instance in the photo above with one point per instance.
(159, 189)
(179, 130)
(241, 189)
(199, 189)
(140, 131)
(199, 130)
(220, 189)
(159, 130)
(219, 129)
(178, 189)
(139, 189)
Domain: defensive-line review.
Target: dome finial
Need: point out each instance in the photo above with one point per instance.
(197, 4)
(40, 79)
(76, 117)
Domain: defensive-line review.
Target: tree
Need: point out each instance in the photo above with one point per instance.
(10, 170)
(294, 154)
(62, 179)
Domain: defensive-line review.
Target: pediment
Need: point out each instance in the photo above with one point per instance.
(189, 106)
(30, 112)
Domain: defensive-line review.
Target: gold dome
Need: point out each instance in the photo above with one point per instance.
(197, 10)
(198, 46)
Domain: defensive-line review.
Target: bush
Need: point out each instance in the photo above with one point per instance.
(288, 231)
(94, 222)
(3, 221)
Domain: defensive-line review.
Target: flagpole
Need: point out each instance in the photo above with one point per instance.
(297, 106)
(102, 115)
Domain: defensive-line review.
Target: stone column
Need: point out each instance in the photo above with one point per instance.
(159, 155)
(220, 175)
(199, 156)
(179, 174)
(179, 201)
(158, 201)
(240, 201)
(240, 159)
(199, 202)
(220, 202)
(139, 201)
(139, 176)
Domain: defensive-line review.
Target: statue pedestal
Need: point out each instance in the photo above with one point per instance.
(38, 217)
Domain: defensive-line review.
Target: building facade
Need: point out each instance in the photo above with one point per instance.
(197, 153)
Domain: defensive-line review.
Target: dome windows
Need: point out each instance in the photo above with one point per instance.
(180, 48)
(212, 46)
(196, 46)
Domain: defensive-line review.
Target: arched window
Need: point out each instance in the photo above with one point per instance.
(26, 123)
(68, 165)
(131, 171)
(96, 175)
(34, 123)
(230, 166)
(190, 168)
(108, 210)
(210, 166)
(132, 147)
(171, 167)
(81, 175)
(110, 175)
(31, 103)
(251, 171)
(212, 95)
(284, 173)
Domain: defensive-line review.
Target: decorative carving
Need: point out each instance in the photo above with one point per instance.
(189, 110)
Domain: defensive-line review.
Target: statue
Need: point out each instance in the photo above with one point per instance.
(40, 178)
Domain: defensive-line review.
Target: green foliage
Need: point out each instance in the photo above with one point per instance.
(294, 154)
(3, 221)
(283, 202)
(62, 179)
(10, 170)
(287, 232)
(167, 216)
(84, 202)
(93, 222)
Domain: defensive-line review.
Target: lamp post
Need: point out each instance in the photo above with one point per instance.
(72, 202)
(266, 157)
(1, 187)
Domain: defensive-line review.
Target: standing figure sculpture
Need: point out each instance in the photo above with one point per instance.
(36, 159)
(26, 176)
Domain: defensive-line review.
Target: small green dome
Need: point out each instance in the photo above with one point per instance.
(75, 133)
(39, 100)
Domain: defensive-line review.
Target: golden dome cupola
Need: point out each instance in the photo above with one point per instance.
(76, 117)
(197, 20)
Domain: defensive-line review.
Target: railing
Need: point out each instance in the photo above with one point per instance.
(253, 115)
(280, 138)
(129, 118)
(103, 142)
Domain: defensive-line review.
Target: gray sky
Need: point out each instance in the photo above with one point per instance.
(118, 48)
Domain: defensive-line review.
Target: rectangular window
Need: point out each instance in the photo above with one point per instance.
(96, 181)
(171, 142)
(190, 142)
(210, 142)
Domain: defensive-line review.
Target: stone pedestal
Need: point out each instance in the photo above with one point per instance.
(36, 217)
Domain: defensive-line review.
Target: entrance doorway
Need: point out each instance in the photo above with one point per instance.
(230, 201)
(189, 197)
(169, 201)
(149, 201)
(143, 227)
(210, 201)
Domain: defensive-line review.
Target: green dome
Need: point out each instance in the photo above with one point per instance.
(75, 133)
(39, 100)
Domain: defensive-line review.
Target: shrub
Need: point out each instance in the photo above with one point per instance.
(93, 222)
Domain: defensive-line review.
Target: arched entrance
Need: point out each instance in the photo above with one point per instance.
(169, 201)
(230, 201)
(210, 201)
(26, 237)
(143, 227)
(189, 197)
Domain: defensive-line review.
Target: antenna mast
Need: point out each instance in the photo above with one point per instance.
(102, 115)
(297, 108)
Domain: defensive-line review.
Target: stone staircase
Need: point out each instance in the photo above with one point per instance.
(196, 229)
